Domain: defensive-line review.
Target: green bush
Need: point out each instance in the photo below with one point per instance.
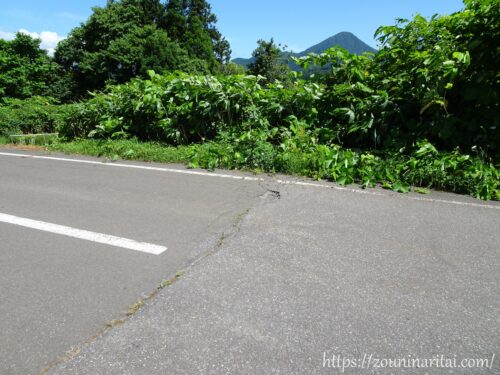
(181, 108)
(241, 124)
(31, 116)
(422, 167)
(432, 79)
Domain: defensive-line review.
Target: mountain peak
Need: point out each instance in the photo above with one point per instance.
(344, 39)
(344, 34)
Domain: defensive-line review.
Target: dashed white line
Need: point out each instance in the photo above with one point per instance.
(105, 239)
(243, 178)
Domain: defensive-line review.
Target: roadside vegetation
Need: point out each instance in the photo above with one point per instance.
(423, 112)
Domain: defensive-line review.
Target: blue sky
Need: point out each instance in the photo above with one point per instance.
(295, 23)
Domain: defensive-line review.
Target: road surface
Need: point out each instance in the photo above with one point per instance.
(277, 276)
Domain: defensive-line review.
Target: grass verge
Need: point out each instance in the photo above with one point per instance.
(419, 170)
(124, 149)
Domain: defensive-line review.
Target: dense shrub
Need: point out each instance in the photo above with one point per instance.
(422, 166)
(435, 79)
(31, 116)
(182, 109)
(443, 76)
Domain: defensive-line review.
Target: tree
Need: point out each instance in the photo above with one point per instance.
(220, 46)
(267, 62)
(198, 42)
(175, 20)
(222, 49)
(126, 38)
(192, 23)
(232, 68)
(140, 50)
(26, 70)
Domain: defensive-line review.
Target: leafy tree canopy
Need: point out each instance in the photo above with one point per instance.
(27, 70)
(126, 38)
(268, 62)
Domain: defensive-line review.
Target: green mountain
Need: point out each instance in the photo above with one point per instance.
(344, 39)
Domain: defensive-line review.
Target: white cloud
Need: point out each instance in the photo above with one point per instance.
(49, 39)
(6, 35)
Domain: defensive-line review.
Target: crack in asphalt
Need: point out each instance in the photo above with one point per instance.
(135, 308)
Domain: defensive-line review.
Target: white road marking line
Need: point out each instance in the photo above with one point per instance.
(83, 234)
(323, 186)
(469, 204)
(119, 165)
(244, 178)
(189, 172)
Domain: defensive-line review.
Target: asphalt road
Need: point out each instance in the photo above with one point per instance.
(57, 291)
(278, 277)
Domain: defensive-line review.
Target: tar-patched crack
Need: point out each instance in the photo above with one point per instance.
(271, 194)
(275, 193)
